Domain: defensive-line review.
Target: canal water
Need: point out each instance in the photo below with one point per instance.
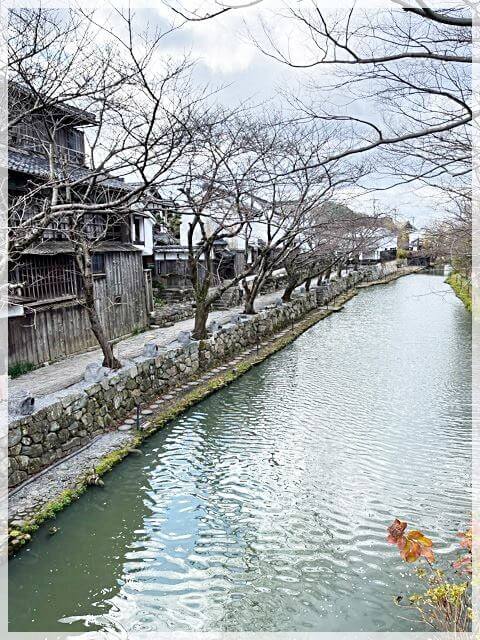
(265, 507)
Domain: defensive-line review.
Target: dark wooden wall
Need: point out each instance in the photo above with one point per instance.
(62, 328)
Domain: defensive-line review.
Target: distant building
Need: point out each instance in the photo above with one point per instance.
(384, 251)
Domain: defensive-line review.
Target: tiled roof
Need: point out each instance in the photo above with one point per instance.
(37, 165)
(81, 116)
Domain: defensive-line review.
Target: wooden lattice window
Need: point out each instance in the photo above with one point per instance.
(40, 278)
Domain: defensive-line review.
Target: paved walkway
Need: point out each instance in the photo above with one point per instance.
(63, 374)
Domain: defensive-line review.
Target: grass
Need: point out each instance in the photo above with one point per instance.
(138, 330)
(159, 302)
(20, 368)
(462, 288)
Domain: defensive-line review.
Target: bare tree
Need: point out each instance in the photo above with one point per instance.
(450, 238)
(136, 102)
(335, 236)
(216, 180)
(409, 63)
(287, 192)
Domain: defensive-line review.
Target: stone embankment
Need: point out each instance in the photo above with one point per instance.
(177, 310)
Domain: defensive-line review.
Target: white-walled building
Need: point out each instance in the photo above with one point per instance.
(385, 248)
(142, 224)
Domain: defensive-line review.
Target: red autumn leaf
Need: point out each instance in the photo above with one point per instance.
(395, 531)
(413, 545)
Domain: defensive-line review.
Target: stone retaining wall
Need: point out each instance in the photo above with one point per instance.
(72, 419)
(172, 313)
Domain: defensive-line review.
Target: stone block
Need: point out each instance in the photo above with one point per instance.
(32, 451)
(72, 444)
(16, 477)
(20, 403)
(184, 337)
(14, 436)
(34, 466)
(51, 440)
(63, 435)
(15, 450)
(94, 372)
(22, 462)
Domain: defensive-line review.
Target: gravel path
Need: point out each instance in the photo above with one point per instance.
(65, 373)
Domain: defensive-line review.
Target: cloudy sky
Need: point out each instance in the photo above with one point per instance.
(227, 57)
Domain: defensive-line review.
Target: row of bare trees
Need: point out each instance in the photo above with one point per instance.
(236, 173)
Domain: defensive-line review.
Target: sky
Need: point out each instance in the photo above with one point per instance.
(227, 57)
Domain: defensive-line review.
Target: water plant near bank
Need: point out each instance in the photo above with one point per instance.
(446, 603)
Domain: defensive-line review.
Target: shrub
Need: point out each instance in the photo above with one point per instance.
(445, 605)
(20, 368)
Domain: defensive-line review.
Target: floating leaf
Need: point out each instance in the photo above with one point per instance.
(420, 538)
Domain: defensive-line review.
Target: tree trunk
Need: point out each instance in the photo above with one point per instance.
(109, 360)
(308, 282)
(251, 295)
(201, 316)
(289, 289)
(249, 307)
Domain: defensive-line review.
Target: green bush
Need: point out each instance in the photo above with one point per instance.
(20, 368)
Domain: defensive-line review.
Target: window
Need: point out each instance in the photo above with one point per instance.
(27, 136)
(94, 226)
(72, 150)
(138, 237)
(98, 264)
(74, 140)
(45, 278)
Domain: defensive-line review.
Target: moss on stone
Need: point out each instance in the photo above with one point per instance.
(110, 460)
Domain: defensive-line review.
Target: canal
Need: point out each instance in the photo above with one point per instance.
(265, 507)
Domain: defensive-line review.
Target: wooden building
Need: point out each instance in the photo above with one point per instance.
(47, 316)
